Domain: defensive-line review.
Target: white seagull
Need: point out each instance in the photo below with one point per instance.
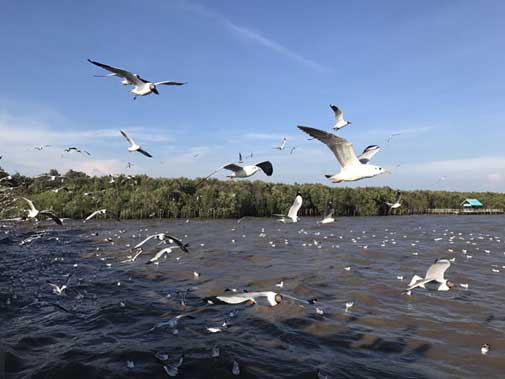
(99, 212)
(328, 214)
(246, 171)
(162, 252)
(272, 298)
(133, 146)
(162, 237)
(397, 203)
(435, 273)
(368, 153)
(293, 210)
(35, 213)
(59, 289)
(141, 87)
(352, 169)
(282, 145)
(339, 117)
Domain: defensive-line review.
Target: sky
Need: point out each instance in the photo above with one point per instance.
(433, 71)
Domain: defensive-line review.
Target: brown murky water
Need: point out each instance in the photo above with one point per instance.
(111, 312)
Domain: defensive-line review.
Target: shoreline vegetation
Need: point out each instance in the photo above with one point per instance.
(76, 195)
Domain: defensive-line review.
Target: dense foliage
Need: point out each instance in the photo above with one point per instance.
(76, 195)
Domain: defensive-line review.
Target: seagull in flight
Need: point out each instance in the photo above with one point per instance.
(35, 213)
(250, 170)
(292, 216)
(272, 298)
(328, 213)
(141, 87)
(282, 145)
(162, 237)
(351, 168)
(73, 148)
(397, 203)
(59, 290)
(99, 212)
(39, 148)
(133, 146)
(368, 153)
(339, 117)
(435, 274)
(392, 135)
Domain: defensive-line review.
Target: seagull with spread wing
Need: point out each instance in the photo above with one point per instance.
(133, 146)
(141, 87)
(397, 203)
(292, 215)
(95, 213)
(34, 213)
(368, 153)
(249, 170)
(282, 145)
(339, 118)
(328, 214)
(435, 274)
(351, 168)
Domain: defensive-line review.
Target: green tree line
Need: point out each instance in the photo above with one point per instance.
(76, 195)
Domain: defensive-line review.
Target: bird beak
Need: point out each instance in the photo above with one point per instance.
(387, 172)
(155, 91)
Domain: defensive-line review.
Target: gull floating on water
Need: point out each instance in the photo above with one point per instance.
(141, 87)
(352, 169)
(435, 274)
(133, 146)
(293, 210)
(35, 213)
(339, 117)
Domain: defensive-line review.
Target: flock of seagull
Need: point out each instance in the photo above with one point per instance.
(353, 167)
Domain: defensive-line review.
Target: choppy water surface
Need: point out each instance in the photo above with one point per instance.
(117, 312)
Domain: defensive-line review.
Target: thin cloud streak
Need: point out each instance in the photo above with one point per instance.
(254, 36)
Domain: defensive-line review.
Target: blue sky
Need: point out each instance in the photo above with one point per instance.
(432, 70)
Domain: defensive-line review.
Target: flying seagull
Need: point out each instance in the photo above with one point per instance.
(282, 145)
(167, 250)
(163, 237)
(246, 171)
(141, 87)
(328, 213)
(73, 148)
(272, 298)
(397, 203)
(339, 117)
(59, 289)
(351, 168)
(392, 135)
(39, 148)
(99, 212)
(368, 153)
(293, 210)
(435, 274)
(35, 213)
(133, 146)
